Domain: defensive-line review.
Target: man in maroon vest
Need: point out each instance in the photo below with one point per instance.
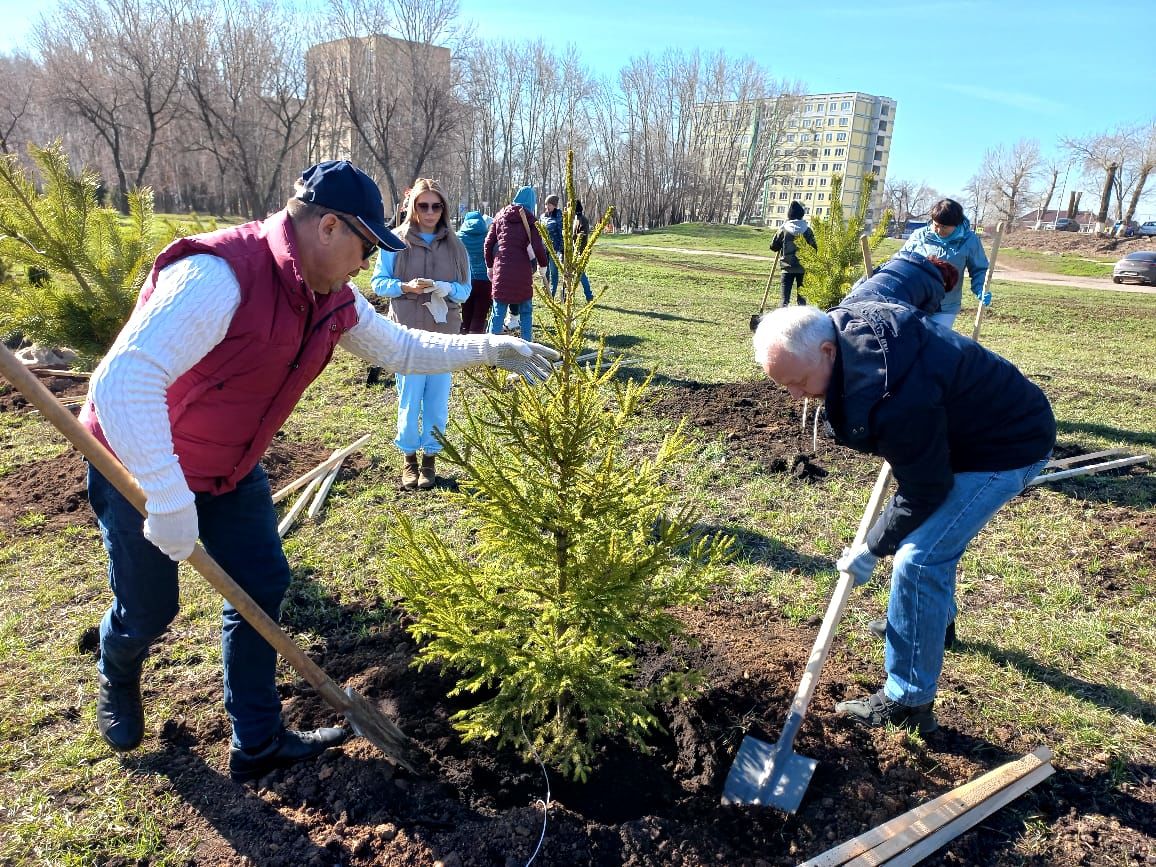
(229, 330)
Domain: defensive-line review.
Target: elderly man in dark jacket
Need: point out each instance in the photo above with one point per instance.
(963, 430)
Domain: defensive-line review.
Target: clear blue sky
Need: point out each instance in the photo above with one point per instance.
(966, 75)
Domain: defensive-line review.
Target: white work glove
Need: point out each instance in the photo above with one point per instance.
(436, 305)
(859, 562)
(531, 361)
(175, 533)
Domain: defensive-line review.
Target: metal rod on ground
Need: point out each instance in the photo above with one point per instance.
(775, 775)
(988, 278)
(366, 719)
(937, 813)
(323, 491)
(806, 407)
(815, 432)
(321, 469)
(1084, 471)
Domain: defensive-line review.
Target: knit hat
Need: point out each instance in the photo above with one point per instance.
(552, 199)
(795, 211)
(527, 199)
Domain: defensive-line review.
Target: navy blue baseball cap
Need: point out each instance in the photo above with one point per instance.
(341, 186)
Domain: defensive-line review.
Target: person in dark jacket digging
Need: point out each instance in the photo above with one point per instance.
(964, 432)
(785, 243)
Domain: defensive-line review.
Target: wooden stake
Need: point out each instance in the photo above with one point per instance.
(987, 279)
(321, 469)
(323, 491)
(298, 506)
(1079, 459)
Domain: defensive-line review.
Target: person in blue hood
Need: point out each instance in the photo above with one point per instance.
(949, 237)
(476, 308)
(785, 243)
(964, 432)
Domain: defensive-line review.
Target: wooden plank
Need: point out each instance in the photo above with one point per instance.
(957, 801)
(323, 491)
(1084, 471)
(321, 469)
(1079, 459)
(298, 506)
(932, 842)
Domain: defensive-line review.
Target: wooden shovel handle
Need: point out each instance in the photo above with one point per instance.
(988, 277)
(112, 469)
(770, 280)
(865, 246)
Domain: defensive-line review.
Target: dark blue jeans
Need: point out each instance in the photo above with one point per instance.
(789, 280)
(239, 530)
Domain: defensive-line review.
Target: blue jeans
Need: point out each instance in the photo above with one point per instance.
(239, 530)
(552, 276)
(525, 317)
(922, 599)
(423, 406)
(946, 320)
(552, 273)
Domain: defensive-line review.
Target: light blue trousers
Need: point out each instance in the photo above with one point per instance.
(423, 406)
(922, 599)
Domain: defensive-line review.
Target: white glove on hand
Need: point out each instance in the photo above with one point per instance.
(531, 361)
(859, 562)
(175, 533)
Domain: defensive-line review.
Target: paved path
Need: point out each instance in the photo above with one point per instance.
(1017, 275)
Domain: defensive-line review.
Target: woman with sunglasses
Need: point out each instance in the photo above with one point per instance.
(426, 284)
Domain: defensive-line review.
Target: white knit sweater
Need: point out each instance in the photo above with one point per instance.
(189, 313)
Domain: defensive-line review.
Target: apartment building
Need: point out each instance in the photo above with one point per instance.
(790, 151)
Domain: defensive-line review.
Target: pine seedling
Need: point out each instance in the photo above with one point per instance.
(91, 261)
(838, 263)
(579, 554)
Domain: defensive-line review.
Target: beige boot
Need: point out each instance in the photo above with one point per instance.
(428, 476)
(409, 473)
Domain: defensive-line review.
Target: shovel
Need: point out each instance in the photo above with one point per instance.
(365, 719)
(987, 279)
(766, 293)
(774, 775)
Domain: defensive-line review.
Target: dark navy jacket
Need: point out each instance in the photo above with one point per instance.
(906, 277)
(929, 401)
(554, 228)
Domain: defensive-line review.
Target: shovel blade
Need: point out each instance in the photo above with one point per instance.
(768, 775)
(755, 319)
(378, 729)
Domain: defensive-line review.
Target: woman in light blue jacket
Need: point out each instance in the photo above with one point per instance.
(949, 237)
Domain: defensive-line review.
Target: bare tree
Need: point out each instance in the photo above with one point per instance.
(388, 77)
(117, 64)
(908, 200)
(245, 82)
(977, 197)
(1009, 173)
(1122, 159)
(20, 75)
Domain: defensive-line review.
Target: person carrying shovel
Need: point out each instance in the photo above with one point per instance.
(964, 432)
(229, 330)
(785, 243)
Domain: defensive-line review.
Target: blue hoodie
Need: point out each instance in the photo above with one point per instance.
(906, 277)
(962, 248)
(527, 199)
(473, 236)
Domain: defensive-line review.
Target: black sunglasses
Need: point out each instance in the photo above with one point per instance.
(367, 246)
(429, 206)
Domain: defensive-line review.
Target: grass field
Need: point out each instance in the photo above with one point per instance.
(1058, 588)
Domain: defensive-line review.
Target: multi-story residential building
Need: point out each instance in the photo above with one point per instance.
(817, 135)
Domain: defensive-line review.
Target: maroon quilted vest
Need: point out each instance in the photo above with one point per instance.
(226, 409)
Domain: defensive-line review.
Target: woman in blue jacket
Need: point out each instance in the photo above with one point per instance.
(949, 237)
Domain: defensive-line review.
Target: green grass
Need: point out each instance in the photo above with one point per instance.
(1054, 655)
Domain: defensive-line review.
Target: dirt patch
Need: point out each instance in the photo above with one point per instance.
(474, 805)
(53, 493)
(1076, 242)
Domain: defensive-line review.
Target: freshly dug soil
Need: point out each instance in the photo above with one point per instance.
(476, 805)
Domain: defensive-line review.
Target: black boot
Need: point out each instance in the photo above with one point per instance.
(287, 748)
(119, 714)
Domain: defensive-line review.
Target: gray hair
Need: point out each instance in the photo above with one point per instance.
(797, 330)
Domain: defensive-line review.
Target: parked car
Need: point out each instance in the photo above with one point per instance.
(1148, 228)
(1138, 267)
(1120, 229)
(1067, 224)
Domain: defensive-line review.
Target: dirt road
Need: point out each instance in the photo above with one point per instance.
(1017, 275)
